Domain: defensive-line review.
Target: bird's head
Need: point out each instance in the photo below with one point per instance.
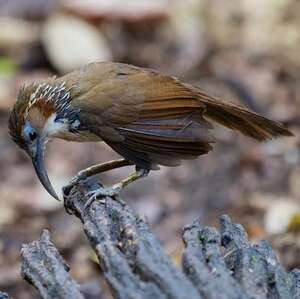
(42, 111)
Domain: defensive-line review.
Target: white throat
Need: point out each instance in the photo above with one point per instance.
(54, 128)
(61, 129)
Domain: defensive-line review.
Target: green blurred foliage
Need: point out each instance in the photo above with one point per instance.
(7, 67)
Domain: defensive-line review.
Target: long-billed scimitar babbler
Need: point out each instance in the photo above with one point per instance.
(150, 119)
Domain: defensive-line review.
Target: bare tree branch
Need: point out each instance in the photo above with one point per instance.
(215, 264)
(242, 271)
(43, 267)
(132, 260)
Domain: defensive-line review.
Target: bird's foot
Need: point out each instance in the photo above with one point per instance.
(105, 191)
(74, 180)
(80, 176)
(101, 192)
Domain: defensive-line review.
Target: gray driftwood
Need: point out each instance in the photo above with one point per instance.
(215, 264)
(132, 260)
(43, 267)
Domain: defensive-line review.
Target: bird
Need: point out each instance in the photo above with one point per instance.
(150, 119)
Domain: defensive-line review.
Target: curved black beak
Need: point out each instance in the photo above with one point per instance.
(38, 163)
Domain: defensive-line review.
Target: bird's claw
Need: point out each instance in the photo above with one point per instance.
(101, 192)
(105, 191)
(77, 178)
(74, 180)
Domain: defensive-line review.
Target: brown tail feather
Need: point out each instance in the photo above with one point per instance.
(241, 119)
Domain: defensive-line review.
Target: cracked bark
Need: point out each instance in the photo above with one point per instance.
(215, 264)
(43, 267)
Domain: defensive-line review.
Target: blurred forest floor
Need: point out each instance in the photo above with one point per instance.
(242, 50)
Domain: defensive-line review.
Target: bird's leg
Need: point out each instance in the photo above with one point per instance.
(95, 169)
(99, 168)
(139, 173)
(116, 188)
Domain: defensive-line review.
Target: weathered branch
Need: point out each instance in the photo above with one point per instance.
(242, 271)
(133, 262)
(204, 265)
(43, 267)
(215, 265)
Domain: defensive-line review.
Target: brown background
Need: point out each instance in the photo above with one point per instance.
(242, 50)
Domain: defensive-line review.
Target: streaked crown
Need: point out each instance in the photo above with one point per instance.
(36, 103)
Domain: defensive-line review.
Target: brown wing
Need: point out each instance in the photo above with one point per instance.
(147, 117)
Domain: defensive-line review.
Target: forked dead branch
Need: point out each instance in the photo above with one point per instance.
(215, 264)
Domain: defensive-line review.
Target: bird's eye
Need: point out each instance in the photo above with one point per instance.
(32, 136)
